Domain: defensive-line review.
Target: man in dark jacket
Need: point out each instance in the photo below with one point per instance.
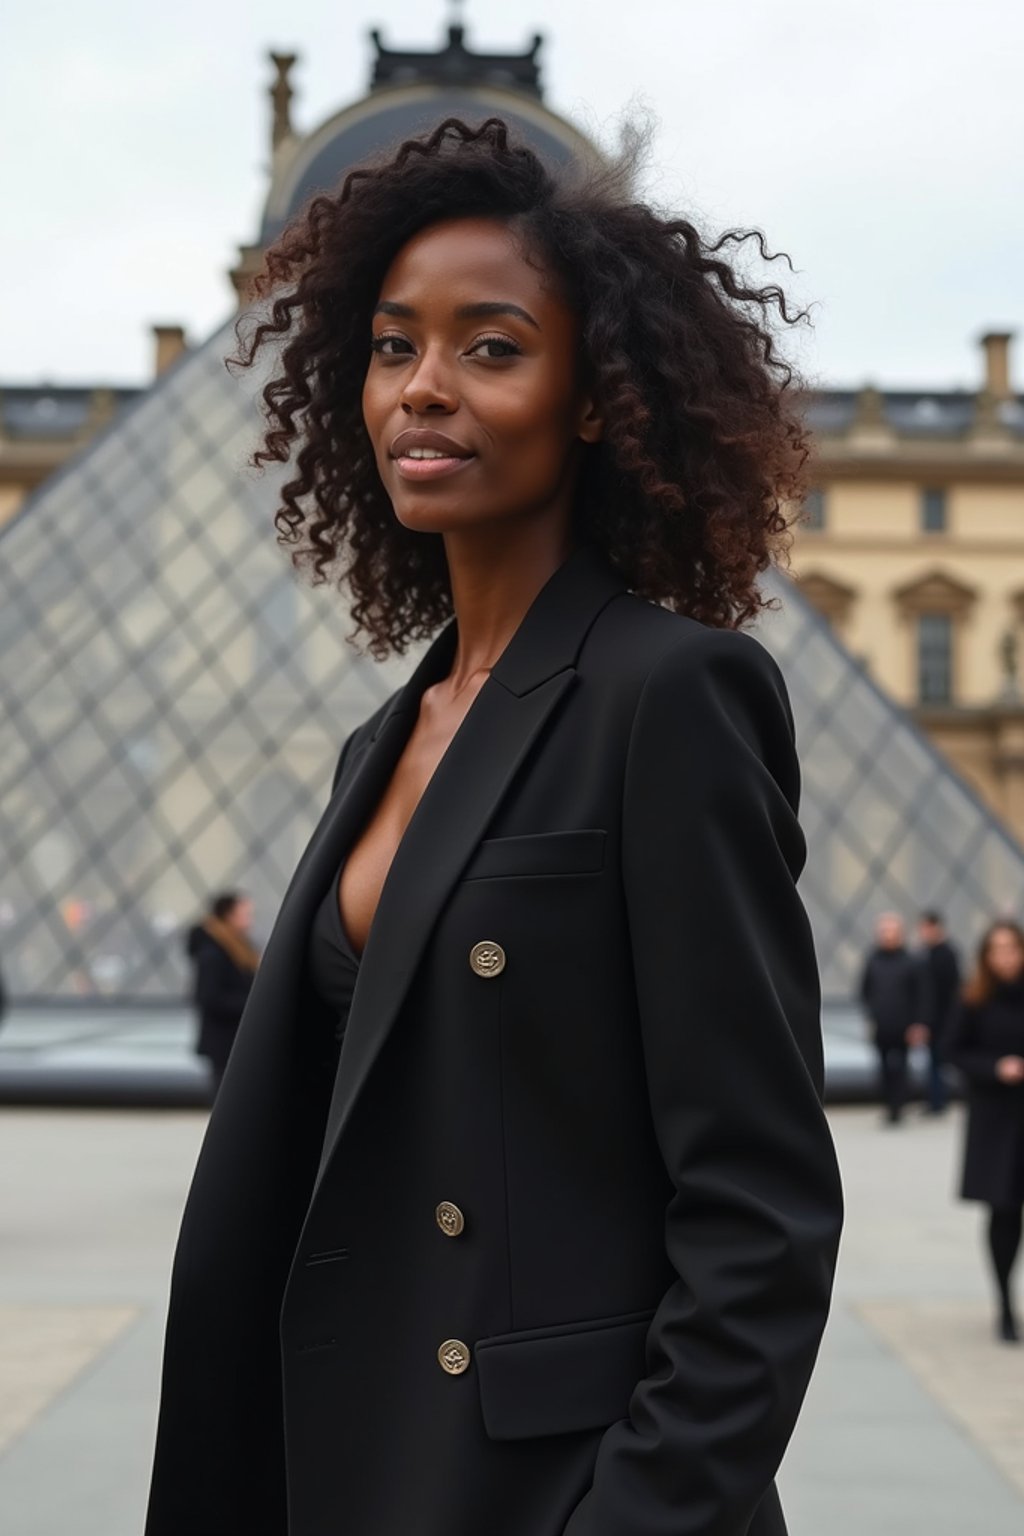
(225, 962)
(892, 993)
(940, 966)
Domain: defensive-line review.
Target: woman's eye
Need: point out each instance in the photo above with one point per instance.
(390, 346)
(494, 347)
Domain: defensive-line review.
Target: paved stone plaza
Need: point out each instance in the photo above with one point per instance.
(915, 1422)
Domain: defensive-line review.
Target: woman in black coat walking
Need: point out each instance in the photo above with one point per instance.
(225, 961)
(986, 1042)
(546, 1248)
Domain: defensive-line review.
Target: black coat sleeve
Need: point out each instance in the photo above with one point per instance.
(729, 1004)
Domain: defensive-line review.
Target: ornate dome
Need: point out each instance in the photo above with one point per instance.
(410, 92)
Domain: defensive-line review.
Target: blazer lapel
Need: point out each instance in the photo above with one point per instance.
(527, 683)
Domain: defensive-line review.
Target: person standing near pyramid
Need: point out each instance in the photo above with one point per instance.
(941, 979)
(986, 1043)
(225, 961)
(548, 1250)
(892, 993)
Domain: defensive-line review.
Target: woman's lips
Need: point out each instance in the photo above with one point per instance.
(430, 469)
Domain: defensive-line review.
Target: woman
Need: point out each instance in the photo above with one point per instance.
(550, 1252)
(225, 960)
(986, 1041)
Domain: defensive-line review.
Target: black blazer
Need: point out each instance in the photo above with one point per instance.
(587, 1016)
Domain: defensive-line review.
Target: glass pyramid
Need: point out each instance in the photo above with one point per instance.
(175, 700)
(890, 826)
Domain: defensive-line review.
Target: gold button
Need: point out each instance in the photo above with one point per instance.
(449, 1218)
(487, 958)
(454, 1356)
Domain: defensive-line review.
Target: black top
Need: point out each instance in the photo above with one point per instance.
(332, 962)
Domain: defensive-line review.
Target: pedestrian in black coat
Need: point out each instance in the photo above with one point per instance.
(548, 1249)
(986, 1042)
(892, 993)
(940, 965)
(225, 962)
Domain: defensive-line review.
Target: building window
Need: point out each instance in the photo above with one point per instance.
(814, 509)
(935, 658)
(933, 510)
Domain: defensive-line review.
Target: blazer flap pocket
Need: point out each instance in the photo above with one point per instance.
(539, 853)
(551, 1381)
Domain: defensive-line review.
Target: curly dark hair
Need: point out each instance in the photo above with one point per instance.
(703, 441)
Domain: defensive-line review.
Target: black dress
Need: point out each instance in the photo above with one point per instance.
(994, 1154)
(332, 965)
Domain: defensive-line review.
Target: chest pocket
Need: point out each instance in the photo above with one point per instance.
(539, 853)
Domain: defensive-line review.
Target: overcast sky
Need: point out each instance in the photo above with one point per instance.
(880, 142)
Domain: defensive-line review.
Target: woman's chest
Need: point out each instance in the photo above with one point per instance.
(376, 844)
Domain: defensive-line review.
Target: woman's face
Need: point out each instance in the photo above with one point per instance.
(472, 399)
(1005, 956)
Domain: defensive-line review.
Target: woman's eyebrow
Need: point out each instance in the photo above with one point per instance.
(479, 311)
(494, 307)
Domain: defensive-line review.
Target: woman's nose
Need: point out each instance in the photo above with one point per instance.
(429, 386)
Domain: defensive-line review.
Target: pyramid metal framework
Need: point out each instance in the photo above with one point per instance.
(174, 700)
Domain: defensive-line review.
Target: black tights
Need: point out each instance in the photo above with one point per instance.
(1004, 1235)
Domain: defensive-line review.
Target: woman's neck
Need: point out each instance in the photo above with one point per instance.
(494, 580)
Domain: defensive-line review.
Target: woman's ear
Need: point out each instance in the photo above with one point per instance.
(590, 428)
